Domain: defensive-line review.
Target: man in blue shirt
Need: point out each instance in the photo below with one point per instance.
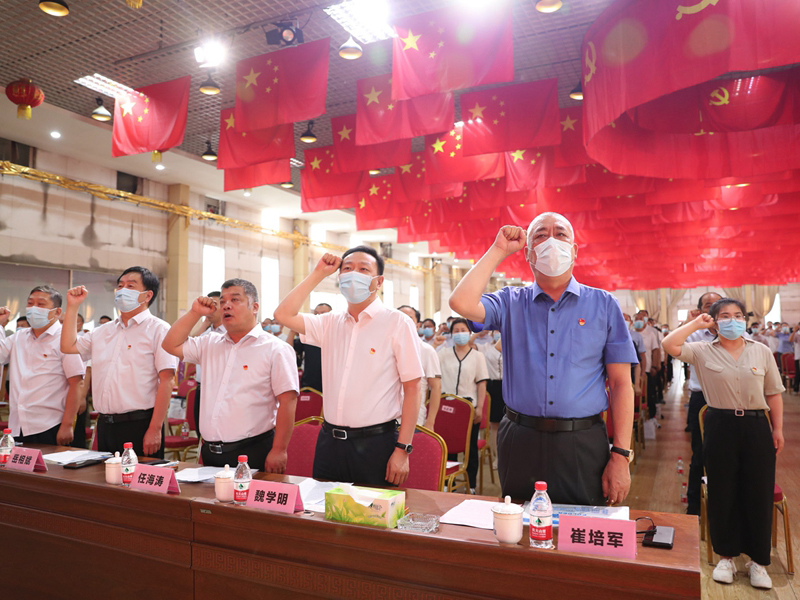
(561, 340)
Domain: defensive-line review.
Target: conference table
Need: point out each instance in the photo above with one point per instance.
(69, 534)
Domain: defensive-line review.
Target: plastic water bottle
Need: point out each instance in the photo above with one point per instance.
(129, 462)
(684, 495)
(541, 517)
(680, 465)
(6, 446)
(185, 430)
(241, 481)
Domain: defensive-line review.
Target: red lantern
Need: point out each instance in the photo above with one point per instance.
(26, 95)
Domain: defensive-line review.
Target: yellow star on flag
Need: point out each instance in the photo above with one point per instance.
(432, 55)
(373, 191)
(127, 108)
(517, 155)
(405, 169)
(146, 110)
(410, 41)
(373, 96)
(229, 122)
(251, 78)
(362, 203)
(477, 111)
(568, 123)
(438, 146)
(344, 134)
(390, 107)
(315, 163)
(140, 119)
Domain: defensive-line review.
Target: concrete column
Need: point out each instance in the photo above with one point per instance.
(664, 312)
(301, 255)
(428, 307)
(177, 288)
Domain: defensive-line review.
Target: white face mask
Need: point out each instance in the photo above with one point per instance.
(553, 257)
(37, 317)
(127, 300)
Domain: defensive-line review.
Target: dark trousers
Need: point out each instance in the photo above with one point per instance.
(111, 437)
(669, 366)
(361, 460)
(796, 385)
(498, 407)
(571, 462)
(696, 402)
(653, 394)
(197, 412)
(256, 453)
(472, 463)
(740, 462)
(45, 437)
(79, 435)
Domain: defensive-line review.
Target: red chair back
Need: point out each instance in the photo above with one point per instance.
(454, 422)
(191, 418)
(487, 403)
(309, 404)
(302, 447)
(788, 364)
(185, 386)
(426, 464)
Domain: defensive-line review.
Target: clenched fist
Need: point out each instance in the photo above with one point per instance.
(76, 295)
(328, 264)
(510, 239)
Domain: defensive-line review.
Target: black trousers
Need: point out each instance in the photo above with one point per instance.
(653, 393)
(197, 412)
(79, 435)
(111, 437)
(45, 437)
(256, 453)
(472, 463)
(796, 385)
(571, 462)
(696, 402)
(361, 461)
(498, 407)
(740, 462)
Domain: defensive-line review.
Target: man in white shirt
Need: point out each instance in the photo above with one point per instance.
(250, 380)
(653, 349)
(44, 381)
(371, 369)
(131, 374)
(212, 324)
(641, 352)
(431, 380)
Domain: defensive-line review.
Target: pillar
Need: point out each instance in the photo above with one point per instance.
(177, 288)
(300, 256)
(428, 307)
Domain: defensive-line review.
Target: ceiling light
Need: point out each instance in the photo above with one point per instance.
(209, 154)
(160, 167)
(742, 184)
(366, 20)
(101, 112)
(374, 171)
(210, 53)
(247, 192)
(577, 92)
(548, 6)
(210, 87)
(286, 34)
(57, 8)
(350, 50)
(104, 85)
(287, 184)
(55, 135)
(308, 135)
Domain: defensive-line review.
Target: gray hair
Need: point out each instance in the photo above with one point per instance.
(55, 295)
(249, 289)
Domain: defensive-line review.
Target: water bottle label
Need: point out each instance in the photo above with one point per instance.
(5, 453)
(240, 489)
(127, 473)
(541, 528)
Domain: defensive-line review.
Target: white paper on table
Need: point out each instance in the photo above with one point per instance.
(313, 493)
(472, 513)
(451, 463)
(202, 474)
(70, 456)
(621, 513)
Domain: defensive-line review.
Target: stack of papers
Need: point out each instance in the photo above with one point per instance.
(313, 493)
(472, 513)
(71, 456)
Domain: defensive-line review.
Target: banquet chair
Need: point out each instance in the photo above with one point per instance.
(485, 451)
(309, 404)
(427, 463)
(303, 446)
(787, 370)
(178, 444)
(454, 425)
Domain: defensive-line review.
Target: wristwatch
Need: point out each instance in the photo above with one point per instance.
(626, 453)
(407, 447)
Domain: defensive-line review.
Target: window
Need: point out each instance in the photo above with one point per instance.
(683, 314)
(127, 183)
(214, 206)
(213, 268)
(270, 286)
(775, 314)
(413, 296)
(388, 293)
(15, 152)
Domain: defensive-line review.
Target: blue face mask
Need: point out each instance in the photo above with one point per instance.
(461, 338)
(427, 332)
(275, 328)
(496, 336)
(127, 300)
(731, 329)
(355, 287)
(638, 324)
(37, 317)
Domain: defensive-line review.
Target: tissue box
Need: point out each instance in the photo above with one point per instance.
(385, 507)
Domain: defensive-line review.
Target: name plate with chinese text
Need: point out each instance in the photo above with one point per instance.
(593, 535)
(274, 496)
(26, 459)
(155, 479)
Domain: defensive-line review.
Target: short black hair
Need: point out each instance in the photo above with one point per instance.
(457, 320)
(214, 294)
(416, 312)
(325, 304)
(105, 317)
(431, 321)
(80, 316)
(366, 250)
(700, 299)
(22, 318)
(55, 296)
(722, 302)
(149, 281)
(249, 289)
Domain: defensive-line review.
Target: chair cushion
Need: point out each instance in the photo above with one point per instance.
(178, 441)
(452, 469)
(777, 494)
(94, 414)
(174, 422)
(481, 444)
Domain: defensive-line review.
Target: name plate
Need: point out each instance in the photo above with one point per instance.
(593, 535)
(274, 496)
(155, 479)
(26, 459)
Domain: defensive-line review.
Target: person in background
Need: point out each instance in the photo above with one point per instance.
(81, 420)
(794, 338)
(641, 352)
(104, 319)
(22, 322)
(653, 348)
(250, 380)
(211, 324)
(428, 331)
(311, 356)
(493, 353)
(431, 383)
(132, 375)
(43, 380)
(464, 374)
(741, 382)
(769, 332)
(758, 334)
(782, 332)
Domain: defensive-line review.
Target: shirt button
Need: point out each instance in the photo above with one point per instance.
(551, 376)
(551, 401)
(552, 331)
(552, 310)
(551, 354)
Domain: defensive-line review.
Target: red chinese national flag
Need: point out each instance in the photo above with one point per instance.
(412, 186)
(571, 151)
(376, 208)
(445, 161)
(381, 119)
(245, 148)
(322, 188)
(350, 158)
(153, 118)
(507, 118)
(282, 87)
(276, 171)
(452, 48)
(535, 168)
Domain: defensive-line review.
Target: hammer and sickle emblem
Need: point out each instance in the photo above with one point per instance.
(694, 8)
(719, 97)
(591, 62)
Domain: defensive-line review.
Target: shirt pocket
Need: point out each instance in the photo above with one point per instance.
(714, 367)
(759, 372)
(586, 349)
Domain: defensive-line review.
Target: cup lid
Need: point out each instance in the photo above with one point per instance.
(113, 460)
(507, 508)
(226, 474)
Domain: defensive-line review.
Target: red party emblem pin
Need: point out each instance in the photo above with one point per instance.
(581, 322)
(245, 367)
(45, 355)
(372, 350)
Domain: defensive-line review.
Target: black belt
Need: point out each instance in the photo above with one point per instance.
(223, 447)
(557, 425)
(351, 433)
(738, 412)
(134, 415)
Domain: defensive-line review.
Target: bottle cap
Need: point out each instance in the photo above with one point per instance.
(127, 445)
(242, 458)
(540, 486)
(7, 431)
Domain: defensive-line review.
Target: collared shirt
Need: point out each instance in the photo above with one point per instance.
(364, 363)
(638, 341)
(760, 337)
(494, 360)
(462, 376)
(651, 342)
(198, 373)
(126, 361)
(701, 335)
(555, 353)
(242, 382)
(784, 346)
(732, 384)
(38, 375)
(431, 370)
